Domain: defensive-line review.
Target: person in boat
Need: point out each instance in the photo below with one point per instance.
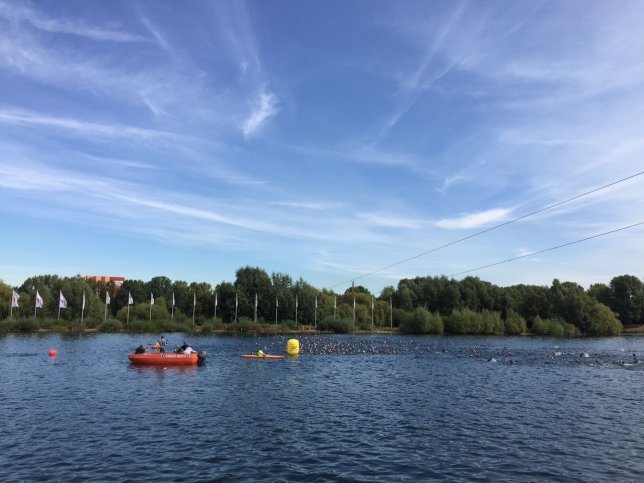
(140, 350)
(260, 353)
(162, 343)
(185, 349)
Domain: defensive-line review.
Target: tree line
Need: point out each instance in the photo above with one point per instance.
(418, 305)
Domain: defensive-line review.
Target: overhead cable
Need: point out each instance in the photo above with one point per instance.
(547, 249)
(549, 207)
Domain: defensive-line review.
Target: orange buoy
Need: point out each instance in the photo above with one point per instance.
(52, 352)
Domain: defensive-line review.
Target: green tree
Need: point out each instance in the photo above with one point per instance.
(182, 297)
(138, 289)
(306, 295)
(600, 292)
(421, 321)
(387, 293)
(5, 300)
(226, 301)
(602, 321)
(514, 323)
(627, 298)
(161, 287)
(282, 291)
(251, 282)
(203, 301)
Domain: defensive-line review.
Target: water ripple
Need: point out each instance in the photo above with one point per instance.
(350, 408)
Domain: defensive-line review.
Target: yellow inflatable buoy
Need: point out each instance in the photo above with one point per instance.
(293, 347)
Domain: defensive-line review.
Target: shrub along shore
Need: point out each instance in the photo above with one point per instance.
(420, 321)
(257, 302)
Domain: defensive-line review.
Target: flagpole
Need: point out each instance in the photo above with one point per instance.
(105, 315)
(172, 305)
(215, 305)
(391, 315)
(36, 303)
(59, 294)
(236, 303)
(255, 316)
(371, 312)
(315, 313)
(276, 305)
(83, 309)
(151, 298)
(296, 309)
(335, 305)
(354, 309)
(128, 309)
(353, 291)
(194, 304)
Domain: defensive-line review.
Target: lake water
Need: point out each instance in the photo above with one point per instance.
(350, 408)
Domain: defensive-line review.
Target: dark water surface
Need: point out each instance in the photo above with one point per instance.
(350, 408)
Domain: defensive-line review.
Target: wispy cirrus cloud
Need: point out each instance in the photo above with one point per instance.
(475, 220)
(431, 67)
(265, 106)
(308, 205)
(236, 32)
(392, 221)
(28, 118)
(21, 12)
(159, 210)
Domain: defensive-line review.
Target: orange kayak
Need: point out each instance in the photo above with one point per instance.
(167, 359)
(255, 356)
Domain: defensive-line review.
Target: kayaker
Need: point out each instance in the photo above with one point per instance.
(260, 353)
(162, 344)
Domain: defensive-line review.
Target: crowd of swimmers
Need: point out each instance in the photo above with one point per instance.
(322, 345)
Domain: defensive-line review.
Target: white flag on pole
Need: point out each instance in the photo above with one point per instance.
(62, 302)
(130, 300)
(83, 300)
(255, 301)
(236, 301)
(151, 298)
(335, 303)
(296, 301)
(277, 304)
(107, 298)
(316, 302)
(215, 299)
(39, 301)
(194, 299)
(14, 299)
(173, 299)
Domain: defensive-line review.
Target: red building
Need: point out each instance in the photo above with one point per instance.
(117, 281)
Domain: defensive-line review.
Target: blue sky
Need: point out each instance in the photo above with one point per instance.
(320, 139)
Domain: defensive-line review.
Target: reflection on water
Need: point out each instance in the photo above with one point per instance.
(352, 408)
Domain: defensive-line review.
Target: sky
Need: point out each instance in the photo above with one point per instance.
(323, 140)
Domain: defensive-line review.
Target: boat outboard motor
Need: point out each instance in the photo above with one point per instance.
(201, 357)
